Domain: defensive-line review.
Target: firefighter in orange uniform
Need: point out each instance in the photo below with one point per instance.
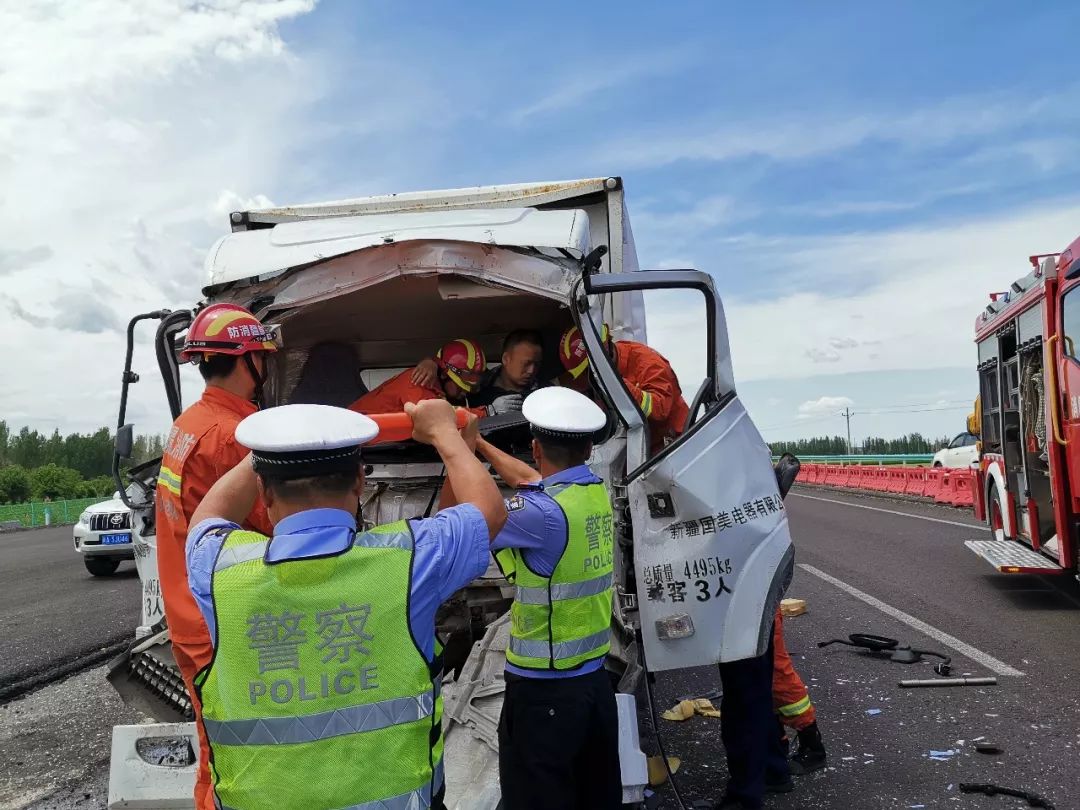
(648, 376)
(459, 363)
(230, 346)
(792, 703)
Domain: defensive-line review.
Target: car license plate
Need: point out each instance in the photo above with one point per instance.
(115, 539)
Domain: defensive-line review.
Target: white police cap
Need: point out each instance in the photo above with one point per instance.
(299, 441)
(563, 413)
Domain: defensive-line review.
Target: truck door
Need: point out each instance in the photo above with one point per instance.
(1066, 427)
(711, 554)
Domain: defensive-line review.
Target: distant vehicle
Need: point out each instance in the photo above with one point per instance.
(103, 536)
(962, 452)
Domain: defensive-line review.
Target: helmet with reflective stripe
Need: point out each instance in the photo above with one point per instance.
(463, 361)
(572, 353)
(225, 329)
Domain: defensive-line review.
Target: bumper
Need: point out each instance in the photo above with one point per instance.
(80, 536)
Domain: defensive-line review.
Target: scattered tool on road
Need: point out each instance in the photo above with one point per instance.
(922, 683)
(898, 653)
(1033, 799)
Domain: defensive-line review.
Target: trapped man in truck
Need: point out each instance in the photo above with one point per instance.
(505, 386)
(323, 691)
(648, 375)
(230, 346)
(459, 365)
(559, 730)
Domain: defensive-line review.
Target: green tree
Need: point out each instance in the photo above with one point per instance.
(14, 484)
(27, 449)
(55, 482)
(5, 441)
(100, 486)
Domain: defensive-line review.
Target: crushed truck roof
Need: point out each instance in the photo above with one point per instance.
(250, 254)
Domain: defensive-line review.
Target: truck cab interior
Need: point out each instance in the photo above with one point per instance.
(339, 348)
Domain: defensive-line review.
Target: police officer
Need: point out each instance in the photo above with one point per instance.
(323, 688)
(559, 730)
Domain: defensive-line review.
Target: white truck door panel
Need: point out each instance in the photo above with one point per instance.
(720, 553)
(711, 549)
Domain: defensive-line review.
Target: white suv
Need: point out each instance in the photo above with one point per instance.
(103, 536)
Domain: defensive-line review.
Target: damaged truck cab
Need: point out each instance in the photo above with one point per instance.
(362, 289)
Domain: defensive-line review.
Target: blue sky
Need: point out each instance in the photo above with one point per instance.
(855, 176)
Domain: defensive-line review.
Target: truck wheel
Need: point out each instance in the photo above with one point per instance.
(101, 566)
(995, 515)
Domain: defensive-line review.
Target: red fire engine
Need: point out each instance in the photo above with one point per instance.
(1028, 481)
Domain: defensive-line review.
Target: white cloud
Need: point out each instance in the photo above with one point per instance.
(126, 127)
(827, 355)
(897, 299)
(823, 406)
(577, 87)
(789, 138)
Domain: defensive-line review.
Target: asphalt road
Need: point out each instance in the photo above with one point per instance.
(880, 737)
(52, 611)
(926, 589)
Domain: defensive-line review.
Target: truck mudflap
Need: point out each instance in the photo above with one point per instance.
(153, 766)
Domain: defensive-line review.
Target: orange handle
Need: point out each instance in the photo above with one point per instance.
(397, 427)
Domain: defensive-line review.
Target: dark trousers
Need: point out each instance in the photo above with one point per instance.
(750, 730)
(559, 744)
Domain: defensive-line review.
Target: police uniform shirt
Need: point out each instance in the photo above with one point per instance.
(450, 551)
(536, 525)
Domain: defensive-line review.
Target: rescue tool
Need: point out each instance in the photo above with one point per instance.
(398, 427)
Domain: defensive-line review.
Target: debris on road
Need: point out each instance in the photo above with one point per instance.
(924, 683)
(987, 748)
(1033, 799)
(873, 712)
(790, 608)
(658, 774)
(685, 709)
(943, 756)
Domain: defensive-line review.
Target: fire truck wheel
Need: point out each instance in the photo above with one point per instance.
(995, 515)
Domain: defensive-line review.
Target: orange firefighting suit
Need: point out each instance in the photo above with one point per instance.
(201, 448)
(790, 698)
(391, 396)
(652, 383)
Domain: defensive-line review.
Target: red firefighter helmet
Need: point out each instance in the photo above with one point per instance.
(225, 329)
(463, 361)
(572, 350)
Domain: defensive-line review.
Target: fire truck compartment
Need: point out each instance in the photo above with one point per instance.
(1011, 557)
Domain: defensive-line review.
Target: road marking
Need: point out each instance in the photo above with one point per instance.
(966, 650)
(886, 511)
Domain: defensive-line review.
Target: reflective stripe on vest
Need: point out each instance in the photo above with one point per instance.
(310, 727)
(315, 669)
(407, 801)
(257, 550)
(567, 590)
(564, 649)
(563, 621)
